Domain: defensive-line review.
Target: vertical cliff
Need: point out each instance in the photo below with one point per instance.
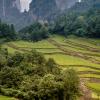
(64, 4)
(43, 8)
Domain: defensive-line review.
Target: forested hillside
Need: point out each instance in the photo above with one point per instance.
(7, 31)
(85, 24)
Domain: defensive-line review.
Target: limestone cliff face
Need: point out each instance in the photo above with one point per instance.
(43, 8)
(85, 5)
(64, 4)
(10, 13)
(39, 10)
(46, 9)
(8, 7)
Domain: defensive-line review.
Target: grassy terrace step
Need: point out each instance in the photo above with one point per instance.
(72, 45)
(63, 59)
(88, 72)
(85, 55)
(6, 98)
(95, 96)
(86, 47)
(94, 86)
(10, 49)
(93, 43)
(95, 67)
(89, 53)
(39, 44)
(66, 60)
(89, 76)
(73, 53)
(44, 50)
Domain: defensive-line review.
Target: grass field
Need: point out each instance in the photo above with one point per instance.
(80, 53)
(95, 86)
(6, 98)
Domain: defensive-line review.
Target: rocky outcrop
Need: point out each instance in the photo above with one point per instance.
(64, 4)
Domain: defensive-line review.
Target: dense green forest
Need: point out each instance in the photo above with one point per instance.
(7, 31)
(30, 76)
(34, 32)
(81, 24)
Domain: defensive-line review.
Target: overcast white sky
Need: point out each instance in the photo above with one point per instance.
(25, 4)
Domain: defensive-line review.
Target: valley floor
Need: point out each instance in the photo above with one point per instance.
(79, 53)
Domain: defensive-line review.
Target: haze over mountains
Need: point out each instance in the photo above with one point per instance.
(10, 10)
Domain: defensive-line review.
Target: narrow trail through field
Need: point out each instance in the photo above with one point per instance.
(73, 53)
(87, 93)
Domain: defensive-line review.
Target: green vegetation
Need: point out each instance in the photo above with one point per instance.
(80, 24)
(90, 76)
(7, 31)
(29, 75)
(34, 32)
(6, 98)
(95, 86)
(62, 59)
(53, 48)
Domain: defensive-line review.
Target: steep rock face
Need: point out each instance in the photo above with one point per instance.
(64, 4)
(85, 5)
(10, 13)
(43, 8)
(49, 9)
(39, 10)
(8, 7)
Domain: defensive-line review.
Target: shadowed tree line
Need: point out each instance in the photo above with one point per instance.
(80, 24)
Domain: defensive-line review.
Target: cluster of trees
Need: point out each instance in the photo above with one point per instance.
(30, 76)
(34, 32)
(7, 31)
(81, 24)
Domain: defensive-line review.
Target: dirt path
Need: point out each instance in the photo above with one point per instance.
(87, 94)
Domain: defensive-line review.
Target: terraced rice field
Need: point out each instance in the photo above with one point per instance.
(6, 98)
(78, 53)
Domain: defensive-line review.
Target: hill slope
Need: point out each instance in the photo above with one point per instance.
(79, 53)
